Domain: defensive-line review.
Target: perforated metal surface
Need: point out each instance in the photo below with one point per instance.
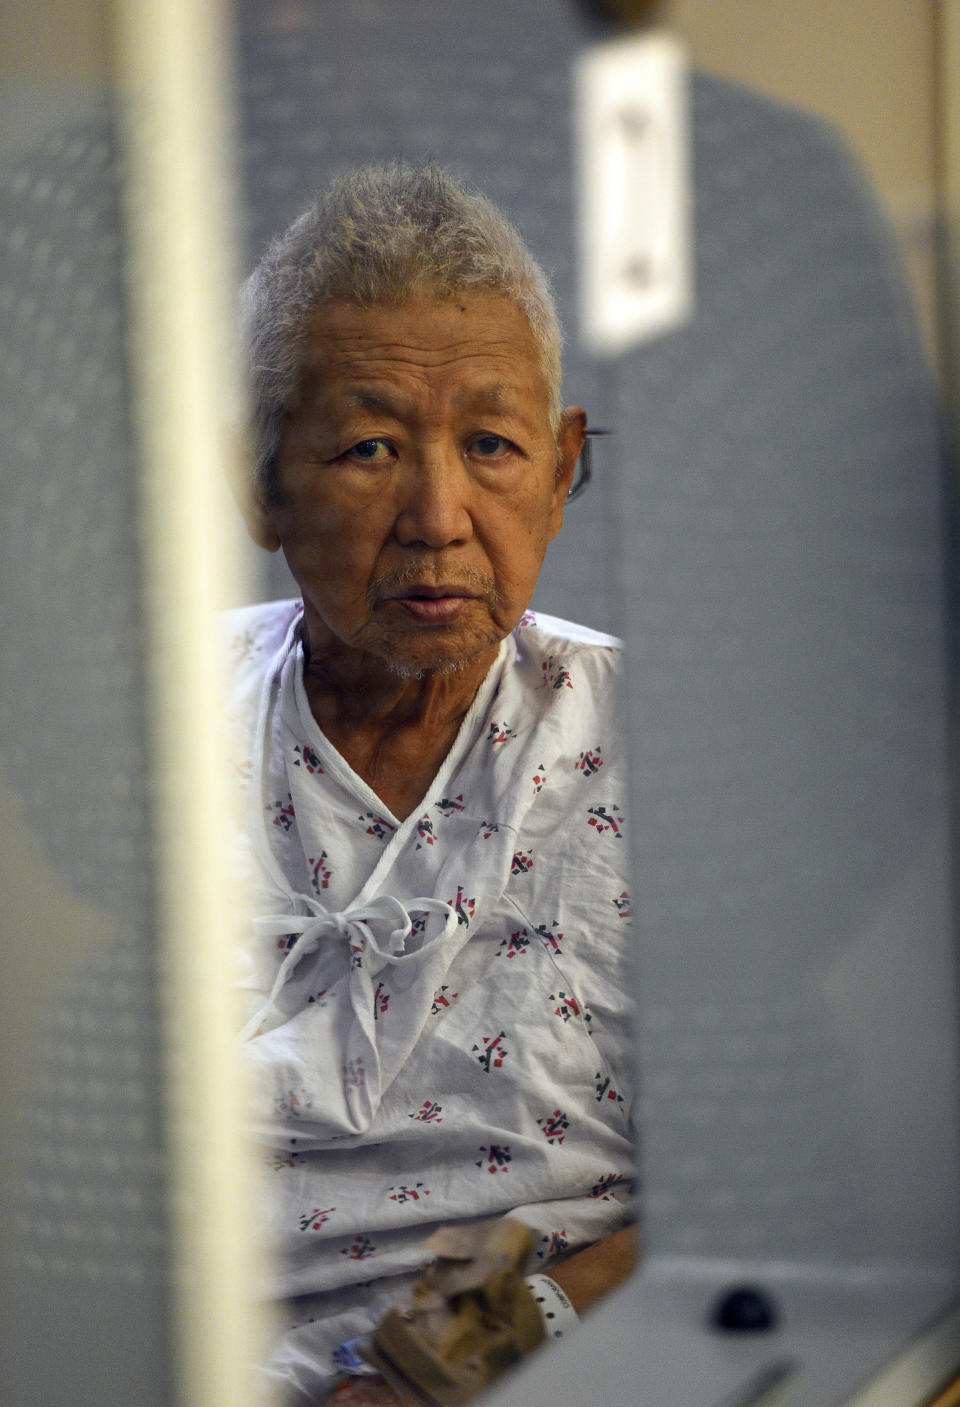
(83, 1297)
(782, 548)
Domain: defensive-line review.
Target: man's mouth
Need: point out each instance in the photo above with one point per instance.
(431, 593)
(434, 604)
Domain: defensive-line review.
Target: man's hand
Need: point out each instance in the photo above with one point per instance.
(364, 1392)
(586, 1276)
(589, 1274)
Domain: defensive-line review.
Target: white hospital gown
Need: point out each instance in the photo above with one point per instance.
(439, 1006)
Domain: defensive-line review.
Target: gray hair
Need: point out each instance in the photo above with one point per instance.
(376, 236)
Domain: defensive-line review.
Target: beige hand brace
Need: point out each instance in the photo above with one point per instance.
(470, 1316)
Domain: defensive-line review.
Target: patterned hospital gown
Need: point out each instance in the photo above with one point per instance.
(438, 1007)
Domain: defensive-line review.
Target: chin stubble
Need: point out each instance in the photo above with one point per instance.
(401, 669)
(422, 569)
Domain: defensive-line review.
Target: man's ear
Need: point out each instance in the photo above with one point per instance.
(250, 496)
(259, 520)
(573, 432)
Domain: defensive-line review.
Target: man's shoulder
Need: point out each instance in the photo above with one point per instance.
(252, 635)
(539, 630)
(566, 667)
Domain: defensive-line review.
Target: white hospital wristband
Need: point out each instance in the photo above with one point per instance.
(558, 1314)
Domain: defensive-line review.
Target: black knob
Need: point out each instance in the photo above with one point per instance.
(744, 1310)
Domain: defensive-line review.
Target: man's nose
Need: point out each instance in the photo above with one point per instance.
(434, 507)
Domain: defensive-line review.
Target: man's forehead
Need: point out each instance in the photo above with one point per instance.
(477, 327)
(474, 352)
(496, 396)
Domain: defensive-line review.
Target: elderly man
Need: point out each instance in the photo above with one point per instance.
(438, 976)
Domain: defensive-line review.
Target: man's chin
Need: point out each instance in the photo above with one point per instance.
(416, 658)
(412, 669)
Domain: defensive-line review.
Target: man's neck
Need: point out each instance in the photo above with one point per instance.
(393, 731)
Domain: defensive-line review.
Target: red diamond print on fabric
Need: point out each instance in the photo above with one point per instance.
(551, 939)
(554, 1126)
(306, 757)
(605, 1090)
(567, 1005)
(312, 1221)
(360, 1248)
(606, 820)
(589, 762)
(319, 874)
(498, 1158)
(408, 1194)
(491, 1052)
(516, 944)
(443, 999)
(553, 1245)
(601, 1190)
(463, 907)
(375, 825)
(448, 806)
(283, 813)
(428, 1113)
(555, 675)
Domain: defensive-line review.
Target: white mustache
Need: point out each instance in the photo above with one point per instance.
(425, 572)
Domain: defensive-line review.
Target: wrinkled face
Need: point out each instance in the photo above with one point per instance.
(418, 480)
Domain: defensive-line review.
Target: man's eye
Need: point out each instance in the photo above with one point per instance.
(369, 449)
(489, 446)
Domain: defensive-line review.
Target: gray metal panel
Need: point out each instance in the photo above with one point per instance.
(82, 1280)
(652, 1346)
(782, 553)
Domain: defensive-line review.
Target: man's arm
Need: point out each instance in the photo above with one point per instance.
(585, 1277)
(589, 1274)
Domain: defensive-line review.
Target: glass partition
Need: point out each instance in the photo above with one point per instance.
(768, 528)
